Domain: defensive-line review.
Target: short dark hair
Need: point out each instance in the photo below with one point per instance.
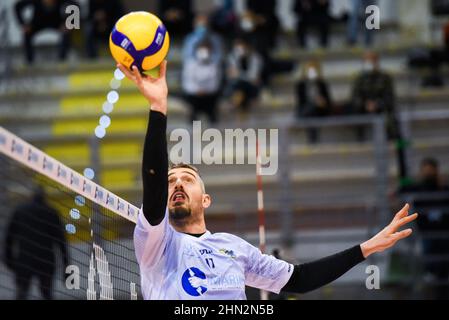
(429, 162)
(183, 165)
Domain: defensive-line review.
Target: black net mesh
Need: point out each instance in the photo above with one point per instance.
(56, 244)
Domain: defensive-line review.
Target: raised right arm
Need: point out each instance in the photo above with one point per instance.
(155, 156)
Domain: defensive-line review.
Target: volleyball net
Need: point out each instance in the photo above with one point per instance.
(62, 236)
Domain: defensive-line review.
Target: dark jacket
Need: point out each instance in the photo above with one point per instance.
(311, 8)
(376, 86)
(112, 8)
(306, 103)
(52, 16)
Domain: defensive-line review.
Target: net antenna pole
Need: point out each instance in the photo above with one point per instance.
(97, 221)
(260, 209)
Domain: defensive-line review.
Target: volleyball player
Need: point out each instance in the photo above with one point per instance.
(180, 259)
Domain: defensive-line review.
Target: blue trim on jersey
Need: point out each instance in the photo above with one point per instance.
(122, 41)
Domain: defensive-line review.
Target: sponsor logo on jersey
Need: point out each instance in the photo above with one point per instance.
(194, 282)
(227, 252)
(205, 251)
(231, 281)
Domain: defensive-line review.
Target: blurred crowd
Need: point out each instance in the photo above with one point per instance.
(229, 55)
(259, 23)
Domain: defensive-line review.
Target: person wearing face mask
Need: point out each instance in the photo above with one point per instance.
(313, 98)
(431, 196)
(373, 93)
(200, 33)
(201, 81)
(244, 71)
(259, 25)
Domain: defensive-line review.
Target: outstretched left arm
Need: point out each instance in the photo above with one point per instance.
(390, 234)
(310, 276)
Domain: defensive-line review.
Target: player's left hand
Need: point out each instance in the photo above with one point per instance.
(389, 235)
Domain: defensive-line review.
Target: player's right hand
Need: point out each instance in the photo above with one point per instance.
(155, 90)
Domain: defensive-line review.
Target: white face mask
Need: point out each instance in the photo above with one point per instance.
(312, 74)
(247, 24)
(203, 54)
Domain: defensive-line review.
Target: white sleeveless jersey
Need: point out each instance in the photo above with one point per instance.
(175, 265)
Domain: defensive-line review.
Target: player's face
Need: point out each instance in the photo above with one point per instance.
(185, 193)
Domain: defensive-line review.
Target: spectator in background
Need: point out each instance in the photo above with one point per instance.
(177, 16)
(201, 32)
(373, 93)
(434, 218)
(312, 97)
(244, 73)
(260, 24)
(312, 13)
(202, 73)
(32, 237)
(429, 178)
(47, 14)
(260, 27)
(223, 20)
(102, 16)
(356, 22)
(201, 79)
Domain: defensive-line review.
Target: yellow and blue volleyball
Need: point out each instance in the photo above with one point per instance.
(139, 39)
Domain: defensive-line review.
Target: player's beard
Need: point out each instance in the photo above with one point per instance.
(180, 213)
